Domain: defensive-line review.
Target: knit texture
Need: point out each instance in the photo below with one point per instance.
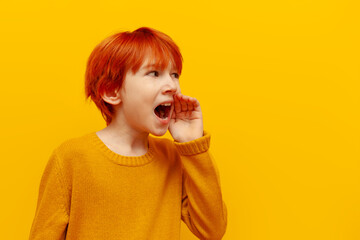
(88, 192)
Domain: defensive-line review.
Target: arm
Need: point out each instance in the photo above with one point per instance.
(203, 209)
(52, 214)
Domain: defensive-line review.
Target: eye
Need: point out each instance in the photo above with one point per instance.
(175, 75)
(153, 73)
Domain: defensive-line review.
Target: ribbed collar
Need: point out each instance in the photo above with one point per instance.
(131, 161)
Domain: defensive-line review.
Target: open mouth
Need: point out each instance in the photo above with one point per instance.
(163, 110)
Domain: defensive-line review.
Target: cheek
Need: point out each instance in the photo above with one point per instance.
(141, 106)
(178, 87)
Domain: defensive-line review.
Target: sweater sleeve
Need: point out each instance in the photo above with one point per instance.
(52, 214)
(203, 209)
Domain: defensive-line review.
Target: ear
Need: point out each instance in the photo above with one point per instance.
(112, 98)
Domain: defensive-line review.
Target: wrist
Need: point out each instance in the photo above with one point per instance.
(184, 139)
(196, 146)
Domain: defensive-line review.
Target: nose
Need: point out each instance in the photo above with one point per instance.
(171, 86)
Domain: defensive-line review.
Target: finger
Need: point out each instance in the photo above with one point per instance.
(191, 104)
(183, 103)
(177, 104)
(196, 105)
(173, 114)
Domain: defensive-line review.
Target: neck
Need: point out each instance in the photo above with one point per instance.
(124, 141)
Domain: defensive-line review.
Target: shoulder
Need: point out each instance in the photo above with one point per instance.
(75, 147)
(69, 155)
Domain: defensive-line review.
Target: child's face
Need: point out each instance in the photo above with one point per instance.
(142, 93)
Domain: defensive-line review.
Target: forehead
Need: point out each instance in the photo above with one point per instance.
(150, 63)
(156, 55)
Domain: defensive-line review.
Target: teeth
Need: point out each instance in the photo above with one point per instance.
(166, 104)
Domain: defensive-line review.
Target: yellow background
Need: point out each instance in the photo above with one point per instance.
(278, 82)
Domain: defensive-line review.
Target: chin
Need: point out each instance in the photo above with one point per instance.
(159, 133)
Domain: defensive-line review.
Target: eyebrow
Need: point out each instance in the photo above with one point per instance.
(154, 65)
(150, 66)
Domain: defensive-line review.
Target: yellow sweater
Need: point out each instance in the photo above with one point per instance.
(88, 192)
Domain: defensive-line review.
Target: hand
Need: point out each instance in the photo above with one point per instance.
(186, 122)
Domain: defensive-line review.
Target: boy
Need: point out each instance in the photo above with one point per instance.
(120, 182)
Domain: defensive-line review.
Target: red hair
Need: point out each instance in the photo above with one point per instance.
(116, 55)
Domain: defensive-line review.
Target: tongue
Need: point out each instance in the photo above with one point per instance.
(161, 111)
